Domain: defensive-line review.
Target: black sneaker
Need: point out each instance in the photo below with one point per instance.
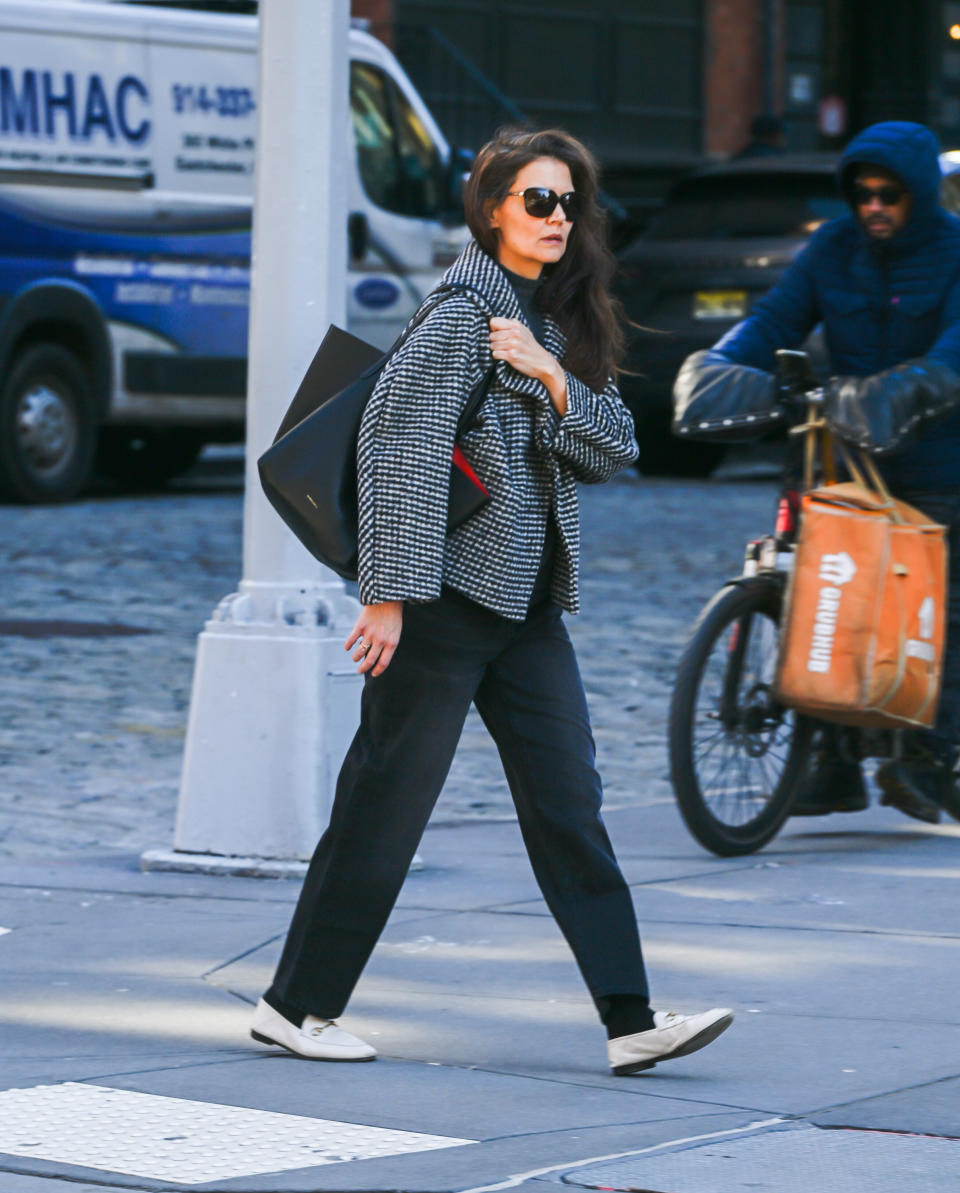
(830, 784)
(918, 785)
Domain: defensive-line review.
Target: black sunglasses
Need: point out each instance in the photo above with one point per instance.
(541, 202)
(889, 196)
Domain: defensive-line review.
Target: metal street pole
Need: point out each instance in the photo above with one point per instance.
(275, 699)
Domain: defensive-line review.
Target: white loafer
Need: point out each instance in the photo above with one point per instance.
(315, 1039)
(673, 1035)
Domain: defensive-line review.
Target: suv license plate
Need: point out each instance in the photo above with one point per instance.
(719, 304)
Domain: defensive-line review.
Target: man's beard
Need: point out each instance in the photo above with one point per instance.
(880, 229)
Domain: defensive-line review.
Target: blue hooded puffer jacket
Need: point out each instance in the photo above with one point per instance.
(881, 303)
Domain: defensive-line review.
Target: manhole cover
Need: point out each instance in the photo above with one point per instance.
(795, 1159)
(36, 628)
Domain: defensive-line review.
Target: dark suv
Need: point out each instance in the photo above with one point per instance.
(723, 237)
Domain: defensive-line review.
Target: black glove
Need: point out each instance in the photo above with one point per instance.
(714, 398)
(883, 412)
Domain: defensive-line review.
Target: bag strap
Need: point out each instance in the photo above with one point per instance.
(828, 458)
(476, 399)
(870, 479)
(866, 475)
(430, 304)
(480, 391)
(816, 439)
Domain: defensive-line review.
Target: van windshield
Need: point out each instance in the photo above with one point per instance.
(744, 206)
(400, 166)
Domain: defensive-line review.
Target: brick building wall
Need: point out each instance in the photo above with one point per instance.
(378, 12)
(735, 65)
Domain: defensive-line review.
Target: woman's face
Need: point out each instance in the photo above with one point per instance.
(525, 243)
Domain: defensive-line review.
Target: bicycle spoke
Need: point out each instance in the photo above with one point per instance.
(740, 746)
(735, 754)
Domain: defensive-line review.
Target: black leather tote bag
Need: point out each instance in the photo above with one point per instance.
(309, 474)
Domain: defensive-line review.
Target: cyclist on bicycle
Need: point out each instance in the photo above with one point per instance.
(885, 283)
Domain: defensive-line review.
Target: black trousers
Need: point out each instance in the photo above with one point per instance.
(524, 680)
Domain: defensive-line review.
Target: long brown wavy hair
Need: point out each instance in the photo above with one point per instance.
(575, 290)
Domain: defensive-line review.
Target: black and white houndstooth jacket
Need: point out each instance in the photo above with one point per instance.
(526, 455)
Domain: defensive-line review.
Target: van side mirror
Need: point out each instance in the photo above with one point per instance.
(458, 167)
(358, 235)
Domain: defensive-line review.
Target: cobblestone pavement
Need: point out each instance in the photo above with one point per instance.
(92, 728)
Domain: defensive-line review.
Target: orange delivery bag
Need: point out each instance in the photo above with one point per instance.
(863, 628)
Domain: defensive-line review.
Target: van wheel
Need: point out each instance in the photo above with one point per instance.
(144, 459)
(48, 429)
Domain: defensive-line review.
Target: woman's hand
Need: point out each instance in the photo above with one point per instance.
(514, 342)
(375, 634)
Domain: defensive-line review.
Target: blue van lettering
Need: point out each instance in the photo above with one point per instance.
(65, 101)
(111, 117)
(19, 113)
(97, 113)
(124, 87)
(43, 99)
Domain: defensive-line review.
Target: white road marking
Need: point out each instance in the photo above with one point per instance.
(513, 1181)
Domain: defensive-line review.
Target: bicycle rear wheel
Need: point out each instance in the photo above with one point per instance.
(736, 754)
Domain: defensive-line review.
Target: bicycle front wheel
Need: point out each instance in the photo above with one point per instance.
(736, 754)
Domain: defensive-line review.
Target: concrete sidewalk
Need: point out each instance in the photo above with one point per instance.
(126, 1000)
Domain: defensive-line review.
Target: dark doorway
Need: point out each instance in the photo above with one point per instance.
(626, 77)
(883, 59)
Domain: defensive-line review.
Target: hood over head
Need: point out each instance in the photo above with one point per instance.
(911, 153)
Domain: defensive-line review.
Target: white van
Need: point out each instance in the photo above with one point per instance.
(126, 162)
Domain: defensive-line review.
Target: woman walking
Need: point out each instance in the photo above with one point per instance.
(475, 615)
